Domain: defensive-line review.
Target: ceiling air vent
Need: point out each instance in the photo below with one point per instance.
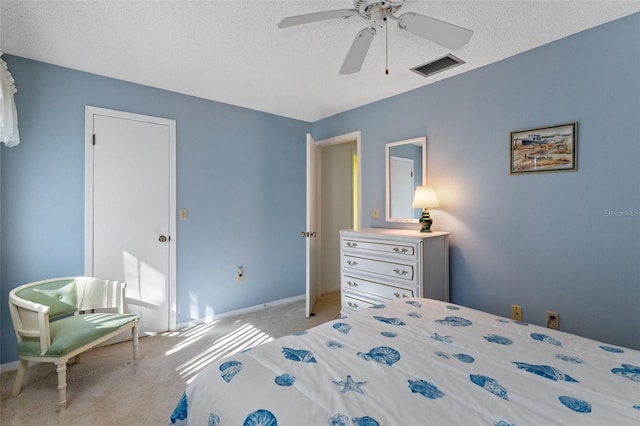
(439, 65)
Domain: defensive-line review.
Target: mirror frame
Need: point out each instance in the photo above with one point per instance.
(415, 141)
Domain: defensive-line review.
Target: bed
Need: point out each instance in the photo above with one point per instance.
(419, 362)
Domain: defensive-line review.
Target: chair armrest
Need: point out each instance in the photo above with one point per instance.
(30, 320)
(27, 304)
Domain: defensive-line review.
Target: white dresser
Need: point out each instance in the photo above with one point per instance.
(380, 264)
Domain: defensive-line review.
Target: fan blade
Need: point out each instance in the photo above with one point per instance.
(445, 34)
(315, 17)
(358, 51)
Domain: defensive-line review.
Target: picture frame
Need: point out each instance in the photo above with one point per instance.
(544, 149)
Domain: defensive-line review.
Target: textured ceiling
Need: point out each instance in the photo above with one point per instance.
(233, 52)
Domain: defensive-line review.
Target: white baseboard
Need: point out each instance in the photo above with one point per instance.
(240, 311)
(9, 366)
(14, 365)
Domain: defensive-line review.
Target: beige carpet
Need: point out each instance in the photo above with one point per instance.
(107, 388)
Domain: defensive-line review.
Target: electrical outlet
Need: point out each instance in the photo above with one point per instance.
(553, 320)
(376, 213)
(516, 312)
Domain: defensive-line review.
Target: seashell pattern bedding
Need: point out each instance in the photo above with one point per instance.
(417, 362)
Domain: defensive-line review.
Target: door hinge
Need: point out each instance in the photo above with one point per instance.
(94, 138)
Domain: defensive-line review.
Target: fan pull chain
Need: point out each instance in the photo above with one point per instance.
(386, 53)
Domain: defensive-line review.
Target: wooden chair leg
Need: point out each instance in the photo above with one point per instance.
(61, 369)
(22, 370)
(134, 341)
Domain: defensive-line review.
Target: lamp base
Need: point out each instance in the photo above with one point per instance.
(425, 221)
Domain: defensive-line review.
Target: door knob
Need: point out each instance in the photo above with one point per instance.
(162, 239)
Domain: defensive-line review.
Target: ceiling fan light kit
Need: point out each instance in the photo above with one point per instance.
(380, 12)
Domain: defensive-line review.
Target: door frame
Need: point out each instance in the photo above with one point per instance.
(90, 112)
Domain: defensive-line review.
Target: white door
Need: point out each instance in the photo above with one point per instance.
(313, 290)
(131, 198)
(401, 186)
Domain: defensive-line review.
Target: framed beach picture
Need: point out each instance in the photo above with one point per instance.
(544, 149)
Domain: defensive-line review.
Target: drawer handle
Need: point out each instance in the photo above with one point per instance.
(400, 250)
(396, 294)
(352, 262)
(350, 244)
(399, 272)
(352, 305)
(352, 284)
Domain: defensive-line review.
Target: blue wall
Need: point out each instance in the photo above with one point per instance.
(240, 173)
(566, 242)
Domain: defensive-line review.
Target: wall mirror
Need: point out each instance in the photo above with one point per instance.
(406, 168)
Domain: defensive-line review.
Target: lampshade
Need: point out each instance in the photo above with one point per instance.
(425, 197)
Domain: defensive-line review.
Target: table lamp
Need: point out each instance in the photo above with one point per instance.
(425, 198)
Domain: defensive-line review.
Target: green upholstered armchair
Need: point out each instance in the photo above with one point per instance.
(55, 320)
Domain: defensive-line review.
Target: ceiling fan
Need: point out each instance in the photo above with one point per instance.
(380, 11)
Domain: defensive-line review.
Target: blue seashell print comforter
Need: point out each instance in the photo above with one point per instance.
(417, 362)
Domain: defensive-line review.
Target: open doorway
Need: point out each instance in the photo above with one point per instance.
(337, 206)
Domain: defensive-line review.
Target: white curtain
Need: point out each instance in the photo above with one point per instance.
(8, 115)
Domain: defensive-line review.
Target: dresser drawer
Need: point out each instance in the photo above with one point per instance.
(402, 249)
(384, 290)
(401, 271)
(352, 302)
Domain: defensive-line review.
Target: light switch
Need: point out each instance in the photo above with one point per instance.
(184, 214)
(376, 213)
